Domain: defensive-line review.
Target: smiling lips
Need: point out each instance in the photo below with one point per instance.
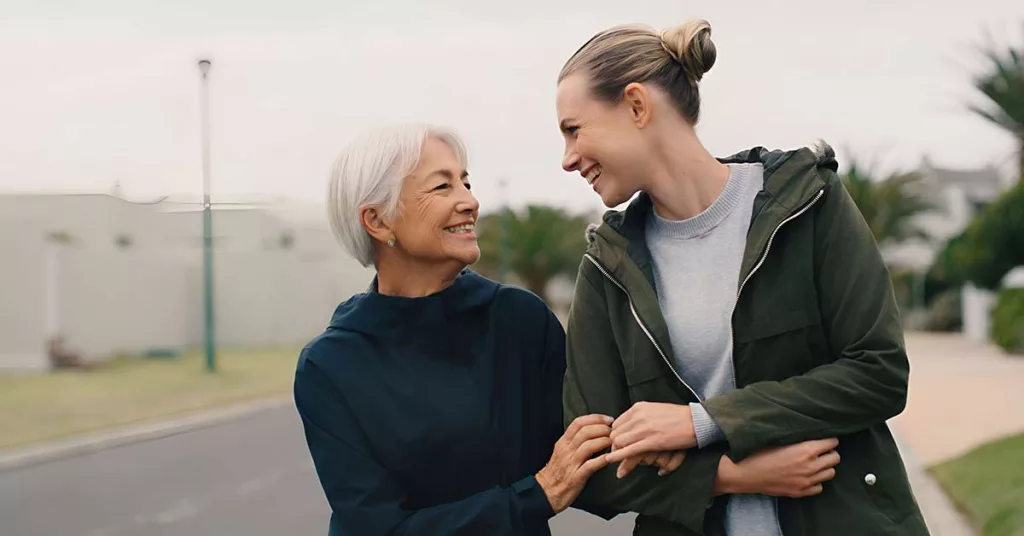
(592, 174)
(463, 229)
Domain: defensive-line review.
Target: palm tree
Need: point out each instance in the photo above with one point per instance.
(888, 205)
(1003, 85)
(539, 243)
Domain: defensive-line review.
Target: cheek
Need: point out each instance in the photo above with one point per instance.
(419, 223)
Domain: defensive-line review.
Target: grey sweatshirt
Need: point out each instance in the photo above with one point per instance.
(696, 271)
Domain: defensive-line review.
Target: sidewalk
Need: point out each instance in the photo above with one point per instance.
(962, 395)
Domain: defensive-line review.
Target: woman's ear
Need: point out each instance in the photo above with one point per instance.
(637, 101)
(375, 224)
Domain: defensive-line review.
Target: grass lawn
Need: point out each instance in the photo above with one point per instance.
(988, 484)
(128, 390)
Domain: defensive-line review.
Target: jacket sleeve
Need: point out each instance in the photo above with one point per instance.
(867, 383)
(595, 382)
(366, 499)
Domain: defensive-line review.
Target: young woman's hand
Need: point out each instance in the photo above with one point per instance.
(650, 427)
(666, 462)
(795, 471)
(573, 460)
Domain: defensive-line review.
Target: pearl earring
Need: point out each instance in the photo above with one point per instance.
(391, 243)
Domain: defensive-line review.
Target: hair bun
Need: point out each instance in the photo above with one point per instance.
(690, 44)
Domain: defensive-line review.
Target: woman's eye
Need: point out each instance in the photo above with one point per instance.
(442, 186)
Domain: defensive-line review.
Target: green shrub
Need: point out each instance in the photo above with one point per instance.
(945, 312)
(1008, 320)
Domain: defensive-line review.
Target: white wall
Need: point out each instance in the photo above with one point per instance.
(125, 302)
(280, 297)
(104, 300)
(977, 308)
(23, 297)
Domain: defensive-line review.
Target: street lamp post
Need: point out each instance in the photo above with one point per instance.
(503, 242)
(211, 357)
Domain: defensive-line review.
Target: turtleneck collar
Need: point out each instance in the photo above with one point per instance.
(394, 316)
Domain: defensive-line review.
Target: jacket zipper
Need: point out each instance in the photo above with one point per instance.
(772, 237)
(768, 246)
(643, 327)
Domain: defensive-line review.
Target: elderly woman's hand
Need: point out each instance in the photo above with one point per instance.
(573, 460)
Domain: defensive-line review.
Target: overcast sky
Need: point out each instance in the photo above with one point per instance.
(102, 90)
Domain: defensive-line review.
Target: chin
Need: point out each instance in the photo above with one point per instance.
(468, 257)
(612, 200)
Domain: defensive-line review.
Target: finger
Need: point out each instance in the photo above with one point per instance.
(634, 449)
(821, 446)
(651, 458)
(824, 476)
(590, 448)
(662, 461)
(584, 420)
(829, 459)
(588, 432)
(627, 466)
(674, 463)
(592, 466)
(625, 418)
(811, 491)
(625, 439)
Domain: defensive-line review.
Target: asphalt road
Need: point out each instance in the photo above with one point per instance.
(250, 477)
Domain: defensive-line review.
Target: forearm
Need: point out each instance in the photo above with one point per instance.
(832, 400)
(681, 497)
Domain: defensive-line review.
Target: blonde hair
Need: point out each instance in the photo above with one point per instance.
(370, 170)
(675, 60)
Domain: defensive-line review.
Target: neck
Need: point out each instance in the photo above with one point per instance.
(397, 276)
(686, 179)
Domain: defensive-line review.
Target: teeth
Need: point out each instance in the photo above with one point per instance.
(593, 176)
(467, 228)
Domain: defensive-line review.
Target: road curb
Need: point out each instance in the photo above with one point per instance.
(941, 515)
(78, 445)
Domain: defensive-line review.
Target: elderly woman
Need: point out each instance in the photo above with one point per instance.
(432, 402)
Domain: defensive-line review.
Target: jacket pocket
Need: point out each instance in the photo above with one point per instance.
(878, 472)
(776, 324)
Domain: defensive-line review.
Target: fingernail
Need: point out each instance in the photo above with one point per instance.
(661, 472)
(608, 419)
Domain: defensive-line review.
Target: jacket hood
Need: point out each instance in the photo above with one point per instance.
(377, 314)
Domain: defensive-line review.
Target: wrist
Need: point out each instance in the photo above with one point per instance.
(688, 432)
(548, 487)
(729, 479)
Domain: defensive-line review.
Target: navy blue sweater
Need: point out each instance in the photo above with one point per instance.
(430, 416)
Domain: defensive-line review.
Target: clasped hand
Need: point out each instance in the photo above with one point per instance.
(652, 433)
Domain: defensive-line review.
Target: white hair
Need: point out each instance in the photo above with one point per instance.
(370, 171)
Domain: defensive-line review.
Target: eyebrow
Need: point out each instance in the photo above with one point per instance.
(447, 173)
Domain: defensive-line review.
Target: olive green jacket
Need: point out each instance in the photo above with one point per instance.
(818, 352)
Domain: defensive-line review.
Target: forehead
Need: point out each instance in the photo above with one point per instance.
(572, 92)
(573, 96)
(437, 156)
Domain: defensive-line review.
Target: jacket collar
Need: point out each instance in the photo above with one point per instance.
(377, 314)
(791, 179)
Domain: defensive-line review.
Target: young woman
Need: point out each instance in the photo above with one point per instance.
(735, 307)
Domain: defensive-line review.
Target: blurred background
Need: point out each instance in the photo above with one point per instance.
(164, 251)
